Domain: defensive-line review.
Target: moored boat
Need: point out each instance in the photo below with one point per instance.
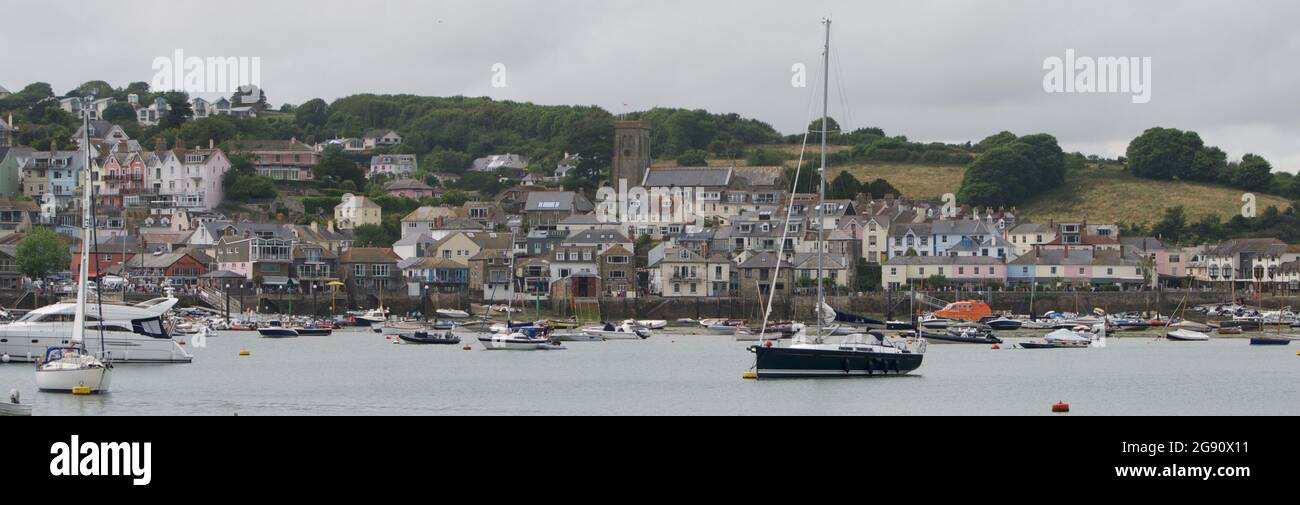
(625, 331)
(1182, 335)
(1270, 340)
(1004, 324)
(429, 338)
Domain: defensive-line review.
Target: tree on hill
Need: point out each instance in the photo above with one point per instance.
(879, 188)
(120, 112)
(1253, 173)
(1172, 226)
(1011, 172)
(843, 187)
(815, 127)
(339, 167)
(312, 113)
(1168, 153)
(693, 158)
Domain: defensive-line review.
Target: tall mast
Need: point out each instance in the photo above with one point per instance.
(79, 319)
(821, 182)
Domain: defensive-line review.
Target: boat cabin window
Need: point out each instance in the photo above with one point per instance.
(150, 327)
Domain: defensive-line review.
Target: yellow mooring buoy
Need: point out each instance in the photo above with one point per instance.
(749, 375)
(244, 352)
(80, 390)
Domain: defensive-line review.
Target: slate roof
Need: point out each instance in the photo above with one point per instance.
(687, 177)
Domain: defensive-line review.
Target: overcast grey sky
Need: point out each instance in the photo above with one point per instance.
(931, 70)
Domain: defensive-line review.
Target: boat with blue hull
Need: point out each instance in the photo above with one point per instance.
(833, 360)
(1270, 341)
(854, 319)
(277, 331)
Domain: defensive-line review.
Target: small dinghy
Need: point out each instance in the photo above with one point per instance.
(1187, 336)
(966, 336)
(14, 408)
(653, 324)
(1271, 340)
(1230, 330)
(452, 313)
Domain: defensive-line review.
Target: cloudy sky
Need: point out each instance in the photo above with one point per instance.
(931, 70)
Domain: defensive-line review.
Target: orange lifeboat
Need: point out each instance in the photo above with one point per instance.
(966, 310)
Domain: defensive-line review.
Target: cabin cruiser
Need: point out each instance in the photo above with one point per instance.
(373, 317)
(132, 333)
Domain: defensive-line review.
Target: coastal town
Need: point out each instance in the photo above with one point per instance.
(162, 222)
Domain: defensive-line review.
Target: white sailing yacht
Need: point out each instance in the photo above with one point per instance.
(72, 368)
(856, 355)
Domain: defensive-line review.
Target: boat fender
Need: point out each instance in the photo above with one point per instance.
(846, 365)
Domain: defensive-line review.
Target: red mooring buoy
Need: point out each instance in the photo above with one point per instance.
(1060, 407)
(996, 347)
(466, 348)
(767, 344)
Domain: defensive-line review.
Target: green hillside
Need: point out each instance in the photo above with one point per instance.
(1107, 194)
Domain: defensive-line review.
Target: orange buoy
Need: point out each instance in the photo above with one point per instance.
(1060, 407)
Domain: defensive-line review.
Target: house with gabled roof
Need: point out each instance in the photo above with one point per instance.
(380, 138)
(545, 209)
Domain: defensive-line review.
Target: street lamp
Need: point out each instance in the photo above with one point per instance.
(227, 302)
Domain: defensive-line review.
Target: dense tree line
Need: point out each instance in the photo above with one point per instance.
(1172, 154)
(1175, 228)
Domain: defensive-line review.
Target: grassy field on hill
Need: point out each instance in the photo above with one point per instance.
(1107, 194)
(1113, 195)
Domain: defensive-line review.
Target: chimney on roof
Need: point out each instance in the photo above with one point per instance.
(211, 144)
(293, 140)
(180, 144)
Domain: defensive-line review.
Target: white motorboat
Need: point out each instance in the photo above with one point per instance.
(452, 313)
(373, 317)
(1070, 337)
(577, 337)
(935, 323)
(1184, 335)
(132, 333)
(625, 331)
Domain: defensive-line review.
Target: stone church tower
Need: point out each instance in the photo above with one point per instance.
(631, 152)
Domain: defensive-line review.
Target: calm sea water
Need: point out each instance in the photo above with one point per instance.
(354, 372)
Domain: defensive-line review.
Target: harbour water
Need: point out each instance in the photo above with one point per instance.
(360, 373)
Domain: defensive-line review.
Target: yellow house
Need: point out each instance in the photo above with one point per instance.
(356, 211)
